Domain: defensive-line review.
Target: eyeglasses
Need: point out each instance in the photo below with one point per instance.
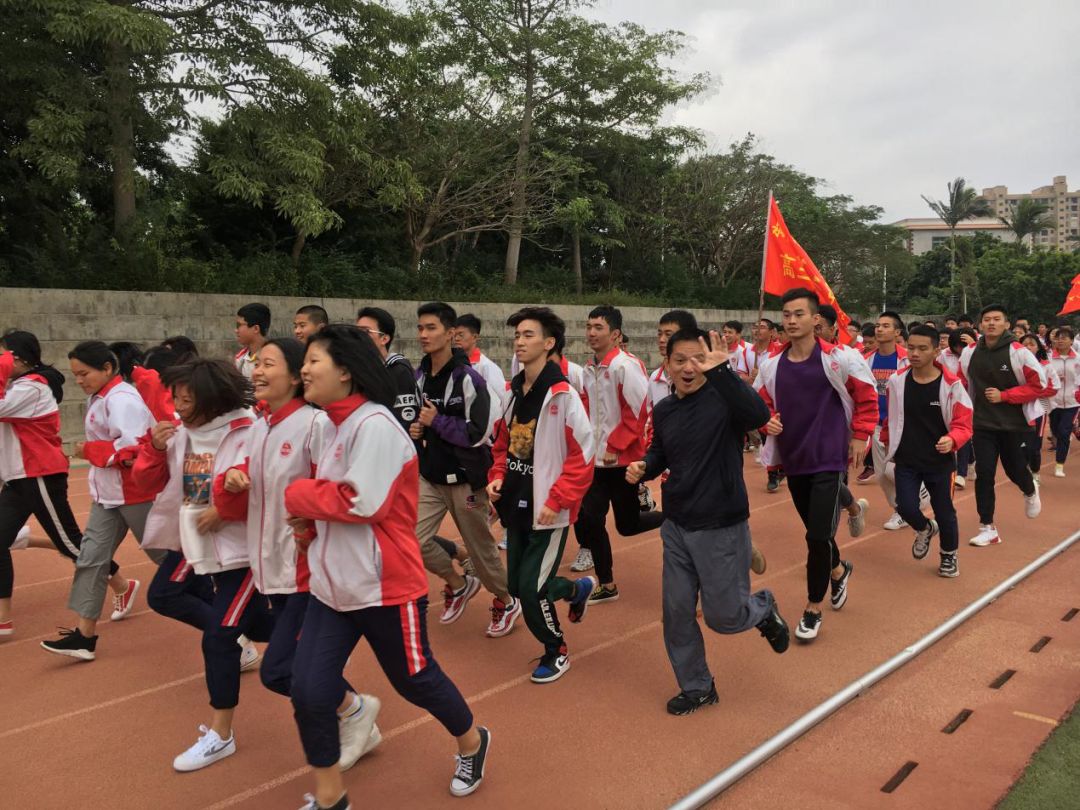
(369, 331)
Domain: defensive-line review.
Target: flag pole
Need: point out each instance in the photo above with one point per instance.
(764, 255)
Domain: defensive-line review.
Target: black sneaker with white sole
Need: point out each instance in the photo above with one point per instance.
(948, 566)
(838, 587)
(684, 703)
(73, 644)
(775, 630)
(808, 626)
(921, 547)
(469, 772)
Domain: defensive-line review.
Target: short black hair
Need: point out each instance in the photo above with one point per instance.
(956, 343)
(314, 313)
(256, 315)
(796, 293)
(994, 308)
(965, 318)
(923, 330)
(679, 317)
(912, 324)
(868, 330)
(441, 310)
(856, 324)
(899, 324)
(216, 386)
(293, 352)
(96, 354)
(159, 358)
(828, 312)
(551, 324)
(736, 326)
(470, 322)
(352, 348)
(1065, 328)
(684, 335)
(951, 318)
(182, 345)
(386, 322)
(610, 314)
(129, 355)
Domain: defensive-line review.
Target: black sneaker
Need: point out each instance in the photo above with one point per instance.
(603, 593)
(683, 703)
(774, 481)
(73, 644)
(838, 587)
(948, 566)
(775, 629)
(469, 772)
(809, 625)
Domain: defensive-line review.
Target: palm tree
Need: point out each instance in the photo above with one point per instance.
(963, 203)
(1029, 217)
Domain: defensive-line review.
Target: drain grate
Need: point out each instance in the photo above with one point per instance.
(1069, 616)
(1002, 679)
(899, 777)
(957, 721)
(1038, 645)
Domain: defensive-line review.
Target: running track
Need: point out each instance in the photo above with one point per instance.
(104, 734)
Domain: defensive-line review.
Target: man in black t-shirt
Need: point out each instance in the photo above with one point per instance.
(379, 324)
(929, 419)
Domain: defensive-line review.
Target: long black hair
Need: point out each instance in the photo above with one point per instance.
(352, 349)
(128, 355)
(215, 385)
(293, 352)
(27, 348)
(1040, 351)
(96, 354)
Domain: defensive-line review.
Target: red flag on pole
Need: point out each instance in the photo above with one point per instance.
(1072, 300)
(786, 266)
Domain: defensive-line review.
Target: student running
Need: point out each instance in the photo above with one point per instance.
(1034, 440)
(1066, 402)
(367, 576)
(697, 436)
(887, 358)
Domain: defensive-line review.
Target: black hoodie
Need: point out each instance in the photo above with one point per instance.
(53, 377)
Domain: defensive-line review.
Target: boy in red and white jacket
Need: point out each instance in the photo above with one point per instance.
(929, 419)
(1066, 402)
(543, 466)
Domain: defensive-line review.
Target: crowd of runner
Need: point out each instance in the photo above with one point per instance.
(301, 485)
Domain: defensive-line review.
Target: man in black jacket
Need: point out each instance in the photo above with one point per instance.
(698, 437)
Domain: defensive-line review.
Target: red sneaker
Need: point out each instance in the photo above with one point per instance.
(7, 628)
(123, 602)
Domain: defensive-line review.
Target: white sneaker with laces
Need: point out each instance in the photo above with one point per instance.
(123, 602)
(583, 561)
(207, 750)
(857, 523)
(250, 656)
(22, 539)
(503, 617)
(987, 536)
(895, 522)
(1032, 503)
(358, 733)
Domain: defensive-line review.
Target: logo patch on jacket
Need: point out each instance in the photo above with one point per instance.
(554, 409)
(286, 449)
(339, 451)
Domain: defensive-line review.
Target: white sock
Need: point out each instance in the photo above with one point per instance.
(243, 640)
(355, 707)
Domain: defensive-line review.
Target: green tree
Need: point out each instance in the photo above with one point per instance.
(1028, 218)
(962, 203)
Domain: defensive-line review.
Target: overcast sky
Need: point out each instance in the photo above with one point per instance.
(886, 101)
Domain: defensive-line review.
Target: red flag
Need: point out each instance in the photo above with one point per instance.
(1072, 300)
(786, 266)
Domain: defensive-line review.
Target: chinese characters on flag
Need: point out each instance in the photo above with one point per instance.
(787, 266)
(1072, 301)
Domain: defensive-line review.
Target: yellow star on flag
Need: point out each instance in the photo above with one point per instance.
(777, 231)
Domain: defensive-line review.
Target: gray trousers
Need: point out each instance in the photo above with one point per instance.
(716, 564)
(105, 529)
(886, 470)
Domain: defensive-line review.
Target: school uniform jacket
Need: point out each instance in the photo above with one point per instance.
(493, 376)
(245, 362)
(157, 397)
(618, 401)
(1067, 368)
(950, 362)
(574, 374)
(1030, 379)
(163, 471)
(851, 378)
(282, 447)
(562, 454)
(116, 418)
(659, 386)
(30, 445)
(901, 358)
(365, 552)
(955, 410)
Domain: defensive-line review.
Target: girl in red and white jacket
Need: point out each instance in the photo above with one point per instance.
(283, 445)
(1033, 445)
(34, 469)
(213, 401)
(1066, 402)
(367, 575)
(116, 417)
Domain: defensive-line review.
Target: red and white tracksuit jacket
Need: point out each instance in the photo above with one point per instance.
(116, 418)
(1053, 385)
(157, 397)
(163, 472)
(617, 397)
(562, 454)
(950, 362)
(364, 504)
(572, 371)
(955, 410)
(30, 445)
(1067, 368)
(245, 362)
(659, 386)
(282, 447)
(493, 376)
(851, 378)
(1030, 378)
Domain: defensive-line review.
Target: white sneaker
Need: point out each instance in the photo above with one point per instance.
(857, 523)
(207, 750)
(358, 732)
(250, 657)
(1059, 471)
(503, 543)
(895, 522)
(808, 626)
(987, 536)
(503, 617)
(583, 561)
(22, 539)
(1032, 503)
(960, 482)
(1036, 479)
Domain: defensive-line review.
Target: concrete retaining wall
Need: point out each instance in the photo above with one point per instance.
(62, 318)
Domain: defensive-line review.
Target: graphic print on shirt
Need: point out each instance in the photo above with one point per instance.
(522, 437)
(198, 476)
